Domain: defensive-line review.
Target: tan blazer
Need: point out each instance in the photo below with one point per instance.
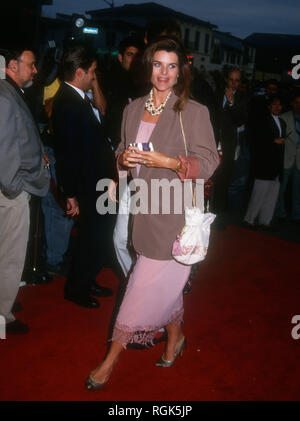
(154, 234)
(291, 145)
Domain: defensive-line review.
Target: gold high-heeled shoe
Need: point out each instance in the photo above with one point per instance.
(179, 351)
(92, 385)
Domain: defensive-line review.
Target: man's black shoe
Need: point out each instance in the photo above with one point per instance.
(249, 226)
(269, 227)
(87, 302)
(38, 278)
(16, 328)
(16, 307)
(282, 220)
(99, 291)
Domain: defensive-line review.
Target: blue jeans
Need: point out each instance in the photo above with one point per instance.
(292, 174)
(57, 225)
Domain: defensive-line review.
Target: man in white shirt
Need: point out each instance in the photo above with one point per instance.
(291, 170)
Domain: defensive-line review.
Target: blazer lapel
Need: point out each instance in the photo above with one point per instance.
(159, 131)
(283, 127)
(23, 104)
(274, 127)
(73, 94)
(136, 118)
(134, 125)
(19, 97)
(292, 126)
(92, 111)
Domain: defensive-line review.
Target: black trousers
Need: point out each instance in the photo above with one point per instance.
(92, 248)
(35, 257)
(222, 180)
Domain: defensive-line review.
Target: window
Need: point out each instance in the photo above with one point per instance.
(207, 40)
(216, 55)
(186, 37)
(197, 41)
(232, 58)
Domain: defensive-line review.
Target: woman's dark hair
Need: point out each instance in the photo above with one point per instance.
(132, 41)
(171, 45)
(75, 57)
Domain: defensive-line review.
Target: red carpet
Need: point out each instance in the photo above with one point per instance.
(237, 322)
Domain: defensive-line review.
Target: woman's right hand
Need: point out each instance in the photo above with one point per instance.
(72, 207)
(130, 157)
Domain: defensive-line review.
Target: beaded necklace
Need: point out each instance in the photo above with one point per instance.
(149, 106)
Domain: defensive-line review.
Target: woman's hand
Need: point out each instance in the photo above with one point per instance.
(159, 160)
(112, 191)
(72, 207)
(130, 157)
(279, 140)
(229, 92)
(47, 160)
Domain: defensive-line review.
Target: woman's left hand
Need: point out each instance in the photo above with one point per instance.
(112, 191)
(158, 160)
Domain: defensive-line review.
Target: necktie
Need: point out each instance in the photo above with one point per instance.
(87, 99)
(92, 108)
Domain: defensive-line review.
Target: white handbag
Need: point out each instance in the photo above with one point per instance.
(192, 243)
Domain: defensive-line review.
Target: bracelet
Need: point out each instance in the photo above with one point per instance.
(178, 165)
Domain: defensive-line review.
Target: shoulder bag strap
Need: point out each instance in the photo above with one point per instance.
(197, 183)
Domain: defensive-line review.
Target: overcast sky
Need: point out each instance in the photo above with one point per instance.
(240, 17)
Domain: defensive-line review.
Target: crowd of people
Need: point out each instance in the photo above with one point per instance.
(89, 118)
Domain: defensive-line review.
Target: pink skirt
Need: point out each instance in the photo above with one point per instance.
(152, 300)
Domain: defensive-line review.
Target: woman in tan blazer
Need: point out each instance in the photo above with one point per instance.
(153, 297)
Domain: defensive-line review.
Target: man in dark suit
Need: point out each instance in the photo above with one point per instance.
(83, 157)
(258, 105)
(267, 135)
(120, 90)
(119, 86)
(231, 114)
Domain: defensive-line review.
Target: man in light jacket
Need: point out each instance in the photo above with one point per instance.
(23, 171)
